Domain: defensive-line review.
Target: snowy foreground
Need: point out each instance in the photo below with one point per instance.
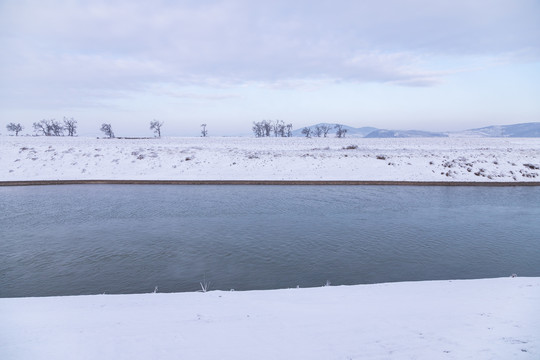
(462, 319)
(220, 158)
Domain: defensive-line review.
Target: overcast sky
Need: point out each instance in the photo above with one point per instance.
(420, 64)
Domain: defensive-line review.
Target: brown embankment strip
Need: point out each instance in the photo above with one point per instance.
(266, 182)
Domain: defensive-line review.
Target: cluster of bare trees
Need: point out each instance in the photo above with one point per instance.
(323, 130)
(53, 127)
(278, 128)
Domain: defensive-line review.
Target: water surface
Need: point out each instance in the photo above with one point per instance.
(90, 239)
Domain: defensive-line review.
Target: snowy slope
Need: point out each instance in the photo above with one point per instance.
(221, 158)
(467, 319)
(514, 130)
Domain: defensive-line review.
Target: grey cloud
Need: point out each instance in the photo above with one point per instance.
(92, 47)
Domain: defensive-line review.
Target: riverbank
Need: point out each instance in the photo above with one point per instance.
(266, 182)
(463, 319)
(415, 160)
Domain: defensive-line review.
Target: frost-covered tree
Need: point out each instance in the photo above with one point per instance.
(279, 128)
(16, 128)
(257, 129)
(267, 127)
(156, 126)
(204, 132)
(42, 127)
(56, 128)
(70, 125)
(289, 130)
(262, 128)
(307, 132)
(107, 130)
(325, 129)
(340, 132)
(318, 131)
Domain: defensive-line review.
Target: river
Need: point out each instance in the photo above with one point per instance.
(94, 239)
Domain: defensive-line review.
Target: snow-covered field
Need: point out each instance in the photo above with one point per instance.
(470, 319)
(464, 319)
(221, 158)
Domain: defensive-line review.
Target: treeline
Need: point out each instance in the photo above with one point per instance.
(264, 128)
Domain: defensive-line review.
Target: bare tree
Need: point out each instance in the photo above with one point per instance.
(340, 132)
(156, 126)
(70, 125)
(318, 131)
(275, 128)
(56, 128)
(279, 128)
(204, 132)
(325, 129)
(43, 127)
(40, 127)
(16, 128)
(267, 127)
(307, 132)
(289, 130)
(257, 129)
(107, 130)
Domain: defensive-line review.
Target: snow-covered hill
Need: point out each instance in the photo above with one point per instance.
(403, 134)
(515, 130)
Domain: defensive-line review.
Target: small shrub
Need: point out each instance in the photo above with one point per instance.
(532, 166)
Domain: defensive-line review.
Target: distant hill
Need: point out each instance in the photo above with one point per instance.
(380, 133)
(515, 130)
